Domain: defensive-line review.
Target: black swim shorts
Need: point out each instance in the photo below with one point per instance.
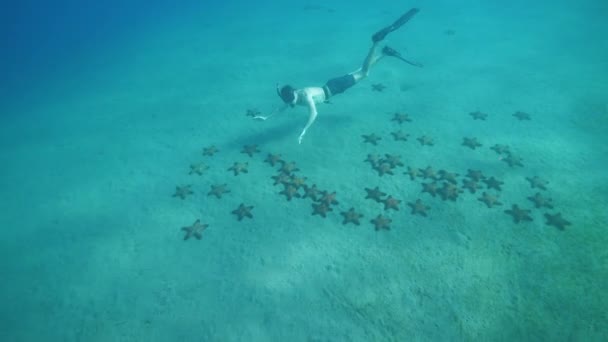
(338, 85)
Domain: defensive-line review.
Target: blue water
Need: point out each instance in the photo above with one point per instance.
(106, 110)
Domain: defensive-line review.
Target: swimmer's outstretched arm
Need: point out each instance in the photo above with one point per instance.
(311, 118)
(278, 110)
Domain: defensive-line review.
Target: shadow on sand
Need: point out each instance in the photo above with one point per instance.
(286, 130)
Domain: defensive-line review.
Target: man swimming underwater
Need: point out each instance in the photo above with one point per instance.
(310, 96)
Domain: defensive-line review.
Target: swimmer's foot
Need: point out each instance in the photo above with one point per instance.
(389, 51)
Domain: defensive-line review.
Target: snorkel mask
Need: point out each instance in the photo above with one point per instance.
(286, 93)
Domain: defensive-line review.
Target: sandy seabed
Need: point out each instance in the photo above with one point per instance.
(92, 247)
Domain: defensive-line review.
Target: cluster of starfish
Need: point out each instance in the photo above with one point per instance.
(539, 202)
(294, 186)
(519, 115)
(216, 190)
(384, 165)
(390, 202)
(446, 184)
(513, 160)
(504, 152)
(322, 201)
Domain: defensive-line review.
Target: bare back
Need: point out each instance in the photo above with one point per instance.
(315, 93)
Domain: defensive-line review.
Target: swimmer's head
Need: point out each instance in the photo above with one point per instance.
(287, 94)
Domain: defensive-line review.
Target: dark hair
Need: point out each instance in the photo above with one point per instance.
(287, 94)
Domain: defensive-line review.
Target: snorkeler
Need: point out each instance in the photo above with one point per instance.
(310, 96)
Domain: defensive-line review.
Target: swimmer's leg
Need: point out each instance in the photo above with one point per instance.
(369, 61)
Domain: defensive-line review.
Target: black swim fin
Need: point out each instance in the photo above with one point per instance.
(389, 51)
(380, 35)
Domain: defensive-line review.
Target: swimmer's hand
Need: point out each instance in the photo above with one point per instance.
(301, 137)
(273, 113)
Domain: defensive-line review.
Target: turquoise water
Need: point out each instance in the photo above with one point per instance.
(105, 107)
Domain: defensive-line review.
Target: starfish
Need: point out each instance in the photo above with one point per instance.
(470, 184)
(412, 172)
(297, 182)
(378, 87)
(351, 216)
(426, 141)
(500, 149)
(327, 198)
(183, 191)
(428, 173)
(371, 138)
(401, 118)
(383, 168)
(391, 203)
(489, 200)
(311, 192)
(471, 143)
(281, 178)
(537, 182)
(253, 112)
(243, 211)
(273, 159)
(393, 159)
(477, 115)
(513, 160)
(418, 208)
(519, 214)
(431, 188)
(250, 149)
(448, 176)
(289, 168)
(320, 209)
(449, 191)
(218, 190)
(196, 230)
(557, 221)
(290, 192)
(381, 222)
(372, 159)
(374, 194)
(210, 150)
(521, 115)
(475, 175)
(540, 201)
(239, 168)
(399, 135)
(493, 183)
(198, 168)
